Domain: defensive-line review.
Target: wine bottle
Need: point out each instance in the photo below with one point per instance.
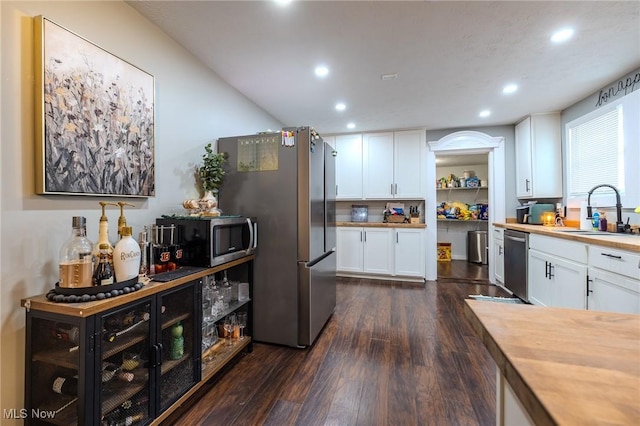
(64, 385)
(103, 275)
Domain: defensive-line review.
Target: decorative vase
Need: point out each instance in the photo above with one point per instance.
(209, 203)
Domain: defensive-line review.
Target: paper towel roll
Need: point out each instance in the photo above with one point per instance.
(585, 223)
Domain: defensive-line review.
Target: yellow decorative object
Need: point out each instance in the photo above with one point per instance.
(637, 210)
(548, 219)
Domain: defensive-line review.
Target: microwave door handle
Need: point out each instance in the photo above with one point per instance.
(255, 235)
(250, 234)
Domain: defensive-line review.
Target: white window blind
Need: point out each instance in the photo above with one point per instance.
(596, 151)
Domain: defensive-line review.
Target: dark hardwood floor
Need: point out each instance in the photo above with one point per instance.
(463, 271)
(392, 354)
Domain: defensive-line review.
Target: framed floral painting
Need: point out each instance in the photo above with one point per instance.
(94, 118)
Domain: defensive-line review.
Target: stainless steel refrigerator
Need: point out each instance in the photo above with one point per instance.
(286, 180)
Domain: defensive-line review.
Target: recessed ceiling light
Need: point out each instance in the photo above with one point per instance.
(389, 76)
(283, 2)
(509, 88)
(351, 126)
(562, 35)
(322, 71)
(340, 106)
(485, 113)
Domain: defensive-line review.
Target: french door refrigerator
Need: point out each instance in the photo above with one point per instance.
(286, 180)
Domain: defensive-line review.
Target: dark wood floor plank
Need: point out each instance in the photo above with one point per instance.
(391, 354)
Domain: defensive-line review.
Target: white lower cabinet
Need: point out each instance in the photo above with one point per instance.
(614, 280)
(409, 252)
(498, 254)
(557, 272)
(364, 250)
(381, 251)
(377, 247)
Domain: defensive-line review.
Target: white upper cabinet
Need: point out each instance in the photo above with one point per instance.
(409, 164)
(394, 165)
(348, 167)
(378, 165)
(539, 157)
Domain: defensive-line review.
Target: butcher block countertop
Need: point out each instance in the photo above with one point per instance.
(567, 367)
(382, 225)
(623, 242)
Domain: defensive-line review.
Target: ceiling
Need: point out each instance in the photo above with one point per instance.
(452, 57)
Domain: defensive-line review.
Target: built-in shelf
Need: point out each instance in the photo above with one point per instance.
(462, 189)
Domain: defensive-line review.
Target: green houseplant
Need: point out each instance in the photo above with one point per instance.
(211, 172)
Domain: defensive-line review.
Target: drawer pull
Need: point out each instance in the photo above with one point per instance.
(611, 255)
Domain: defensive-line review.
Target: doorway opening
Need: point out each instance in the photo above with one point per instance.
(462, 198)
(466, 143)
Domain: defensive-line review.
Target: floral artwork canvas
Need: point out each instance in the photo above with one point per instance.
(95, 124)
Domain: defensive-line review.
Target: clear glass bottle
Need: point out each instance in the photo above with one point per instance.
(76, 261)
(103, 274)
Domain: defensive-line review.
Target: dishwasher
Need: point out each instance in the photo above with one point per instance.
(516, 252)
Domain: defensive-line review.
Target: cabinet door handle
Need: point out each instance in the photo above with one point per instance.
(611, 255)
(546, 269)
(336, 190)
(365, 236)
(589, 281)
(397, 241)
(361, 240)
(395, 189)
(551, 275)
(526, 181)
(500, 250)
(391, 189)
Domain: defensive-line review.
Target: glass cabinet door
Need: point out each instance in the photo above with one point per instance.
(125, 364)
(54, 383)
(179, 367)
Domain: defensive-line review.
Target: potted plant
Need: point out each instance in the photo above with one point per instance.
(211, 172)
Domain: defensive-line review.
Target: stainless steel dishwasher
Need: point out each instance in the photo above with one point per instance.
(516, 252)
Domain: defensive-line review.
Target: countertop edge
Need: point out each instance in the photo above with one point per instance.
(536, 410)
(631, 243)
(381, 225)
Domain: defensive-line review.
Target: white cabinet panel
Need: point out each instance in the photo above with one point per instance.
(378, 165)
(409, 168)
(350, 250)
(394, 165)
(378, 256)
(613, 293)
(498, 255)
(556, 282)
(539, 157)
(538, 279)
(409, 252)
(349, 167)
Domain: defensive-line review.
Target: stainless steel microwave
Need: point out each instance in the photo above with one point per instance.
(213, 241)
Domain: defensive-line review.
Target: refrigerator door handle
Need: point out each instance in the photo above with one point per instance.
(314, 262)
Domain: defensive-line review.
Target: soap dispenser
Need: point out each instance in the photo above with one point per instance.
(122, 221)
(103, 231)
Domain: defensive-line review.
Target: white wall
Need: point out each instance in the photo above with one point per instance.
(193, 107)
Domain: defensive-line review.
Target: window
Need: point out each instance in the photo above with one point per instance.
(603, 148)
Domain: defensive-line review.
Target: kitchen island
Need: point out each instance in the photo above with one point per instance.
(561, 366)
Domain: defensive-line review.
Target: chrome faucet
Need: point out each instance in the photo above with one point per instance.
(620, 227)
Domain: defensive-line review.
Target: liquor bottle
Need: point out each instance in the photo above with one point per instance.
(122, 221)
(76, 260)
(103, 275)
(103, 231)
(65, 385)
(126, 256)
(143, 242)
(177, 341)
(66, 332)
